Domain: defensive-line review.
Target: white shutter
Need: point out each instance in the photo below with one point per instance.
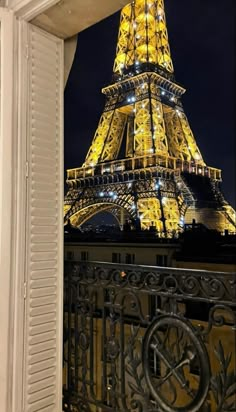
(44, 224)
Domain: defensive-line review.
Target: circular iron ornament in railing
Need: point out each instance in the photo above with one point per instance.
(170, 284)
(83, 341)
(171, 353)
(103, 275)
(213, 288)
(90, 274)
(113, 348)
(154, 281)
(190, 285)
(119, 277)
(216, 289)
(135, 279)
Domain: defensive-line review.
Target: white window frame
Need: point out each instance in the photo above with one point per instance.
(13, 197)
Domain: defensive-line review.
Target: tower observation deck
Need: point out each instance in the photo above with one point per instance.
(162, 180)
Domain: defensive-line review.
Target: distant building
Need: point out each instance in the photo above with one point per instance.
(194, 250)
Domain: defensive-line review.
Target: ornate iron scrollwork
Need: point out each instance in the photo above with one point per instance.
(172, 343)
(141, 339)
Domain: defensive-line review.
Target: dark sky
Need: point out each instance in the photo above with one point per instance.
(201, 36)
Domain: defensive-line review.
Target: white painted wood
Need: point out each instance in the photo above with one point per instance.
(44, 224)
(16, 372)
(28, 9)
(7, 211)
(69, 17)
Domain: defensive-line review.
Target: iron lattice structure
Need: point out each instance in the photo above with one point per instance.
(162, 179)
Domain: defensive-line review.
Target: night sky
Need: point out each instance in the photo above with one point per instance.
(201, 36)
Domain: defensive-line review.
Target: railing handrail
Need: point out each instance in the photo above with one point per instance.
(177, 283)
(166, 269)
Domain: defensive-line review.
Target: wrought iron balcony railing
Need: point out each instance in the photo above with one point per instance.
(146, 339)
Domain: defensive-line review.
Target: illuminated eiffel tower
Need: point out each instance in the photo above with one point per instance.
(160, 180)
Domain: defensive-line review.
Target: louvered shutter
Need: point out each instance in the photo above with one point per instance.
(44, 224)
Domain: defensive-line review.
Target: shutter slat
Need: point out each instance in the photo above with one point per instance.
(38, 221)
(40, 173)
(46, 373)
(40, 69)
(48, 94)
(49, 281)
(48, 354)
(40, 347)
(43, 42)
(43, 311)
(42, 194)
(41, 385)
(42, 82)
(42, 337)
(36, 293)
(41, 178)
(43, 203)
(42, 405)
(41, 394)
(42, 151)
(36, 211)
(39, 274)
(38, 160)
(50, 408)
(37, 141)
(42, 301)
(44, 247)
(43, 55)
(43, 362)
(43, 229)
(39, 123)
(39, 320)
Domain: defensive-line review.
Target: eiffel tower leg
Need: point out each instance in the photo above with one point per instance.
(122, 219)
(107, 139)
(161, 214)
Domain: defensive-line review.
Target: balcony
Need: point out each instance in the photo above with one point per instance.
(150, 162)
(146, 339)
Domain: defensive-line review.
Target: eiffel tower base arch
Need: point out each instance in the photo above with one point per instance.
(143, 204)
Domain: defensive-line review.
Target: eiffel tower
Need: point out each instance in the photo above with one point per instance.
(144, 165)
